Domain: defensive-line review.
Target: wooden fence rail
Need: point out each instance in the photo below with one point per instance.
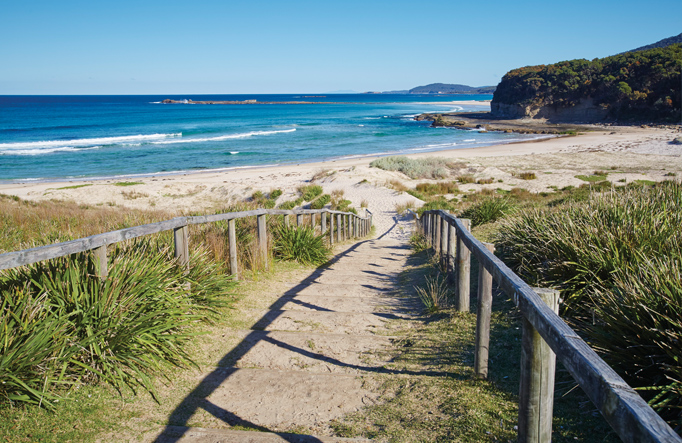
(179, 226)
(627, 413)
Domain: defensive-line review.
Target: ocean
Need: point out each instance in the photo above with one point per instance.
(83, 137)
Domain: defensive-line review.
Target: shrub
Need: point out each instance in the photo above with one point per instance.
(527, 176)
(488, 210)
(274, 195)
(485, 181)
(300, 244)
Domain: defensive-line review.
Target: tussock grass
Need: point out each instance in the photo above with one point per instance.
(466, 178)
(300, 244)
(617, 257)
(321, 201)
(61, 324)
(396, 185)
(310, 192)
(438, 188)
(489, 210)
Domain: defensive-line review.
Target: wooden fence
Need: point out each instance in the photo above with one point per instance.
(347, 225)
(545, 337)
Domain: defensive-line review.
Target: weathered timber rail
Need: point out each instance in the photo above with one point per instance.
(347, 225)
(627, 413)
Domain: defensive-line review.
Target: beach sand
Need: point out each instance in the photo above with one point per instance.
(627, 153)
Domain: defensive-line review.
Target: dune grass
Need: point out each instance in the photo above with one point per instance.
(617, 257)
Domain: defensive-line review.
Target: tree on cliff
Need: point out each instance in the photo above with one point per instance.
(634, 85)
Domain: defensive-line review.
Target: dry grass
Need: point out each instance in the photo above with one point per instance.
(466, 178)
(396, 185)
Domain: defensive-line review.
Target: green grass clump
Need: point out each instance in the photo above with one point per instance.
(617, 256)
(439, 203)
(290, 204)
(321, 201)
(439, 188)
(300, 244)
(274, 195)
(592, 178)
(527, 176)
(128, 183)
(309, 192)
(489, 210)
(60, 323)
(431, 167)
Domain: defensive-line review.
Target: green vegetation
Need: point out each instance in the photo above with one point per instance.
(62, 324)
(76, 186)
(466, 178)
(489, 210)
(592, 178)
(128, 183)
(617, 257)
(300, 244)
(641, 85)
(437, 188)
(321, 201)
(430, 168)
(309, 192)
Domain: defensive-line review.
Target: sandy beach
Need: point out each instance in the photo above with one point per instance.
(627, 153)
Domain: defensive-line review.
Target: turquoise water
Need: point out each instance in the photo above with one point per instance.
(67, 137)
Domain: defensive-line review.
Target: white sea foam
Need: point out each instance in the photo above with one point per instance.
(42, 151)
(48, 146)
(234, 152)
(470, 140)
(223, 137)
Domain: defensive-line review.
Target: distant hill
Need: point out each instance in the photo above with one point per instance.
(445, 88)
(660, 44)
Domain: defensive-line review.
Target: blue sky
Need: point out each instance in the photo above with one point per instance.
(229, 47)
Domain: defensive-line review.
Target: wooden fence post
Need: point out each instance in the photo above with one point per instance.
(180, 236)
(263, 239)
(451, 257)
(338, 228)
(232, 234)
(299, 219)
(435, 240)
(483, 312)
(101, 261)
(331, 229)
(443, 241)
(323, 222)
(312, 222)
(463, 271)
(286, 221)
(536, 391)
